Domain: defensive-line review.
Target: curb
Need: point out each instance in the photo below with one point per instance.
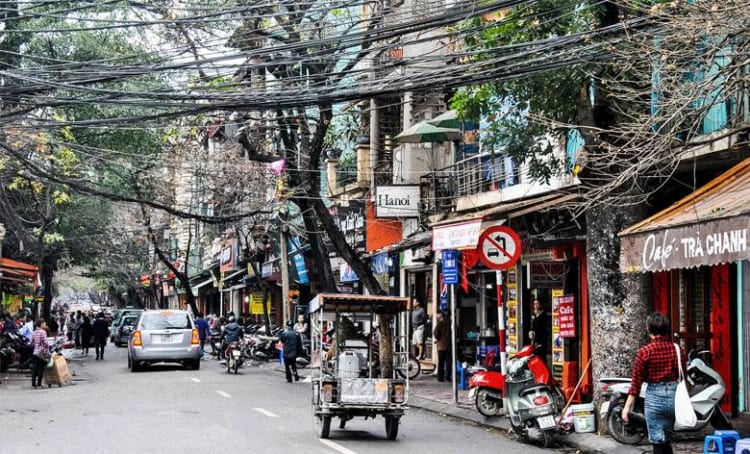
(582, 442)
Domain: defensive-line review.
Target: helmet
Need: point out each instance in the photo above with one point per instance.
(289, 324)
(231, 319)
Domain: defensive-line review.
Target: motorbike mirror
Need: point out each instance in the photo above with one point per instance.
(532, 335)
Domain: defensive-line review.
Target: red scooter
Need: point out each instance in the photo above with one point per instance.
(487, 383)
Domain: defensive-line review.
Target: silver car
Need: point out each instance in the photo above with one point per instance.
(164, 336)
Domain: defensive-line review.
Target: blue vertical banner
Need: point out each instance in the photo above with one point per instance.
(299, 260)
(449, 262)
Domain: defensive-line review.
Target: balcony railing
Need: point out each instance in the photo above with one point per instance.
(474, 175)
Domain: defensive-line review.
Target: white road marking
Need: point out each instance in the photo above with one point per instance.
(222, 393)
(266, 412)
(336, 447)
(195, 379)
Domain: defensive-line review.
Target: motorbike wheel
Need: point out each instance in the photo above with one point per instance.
(719, 420)
(229, 364)
(410, 369)
(548, 438)
(236, 366)
(485, 404)
(254, 359)
(391, 427)
(324, 426)
(624, 433)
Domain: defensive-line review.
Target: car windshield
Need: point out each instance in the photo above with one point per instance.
(129, 321)
(166, 320)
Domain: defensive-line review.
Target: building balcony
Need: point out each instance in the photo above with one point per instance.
(479, 182)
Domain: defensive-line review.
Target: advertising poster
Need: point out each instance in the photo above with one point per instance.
(512, 322)
(558, 346)
(256, 303)
(567, 316)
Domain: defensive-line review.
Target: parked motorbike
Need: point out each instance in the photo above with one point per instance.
(487, 384)
(706, 391)
(533, 398)
(264, 349)
(15, 352)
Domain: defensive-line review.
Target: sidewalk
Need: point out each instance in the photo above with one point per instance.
(426, 393)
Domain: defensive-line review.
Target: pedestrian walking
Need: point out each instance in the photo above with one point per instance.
(70, 326)
(79, 323)
(87, 331)
(41, 353)
(656, 365)
(100, 329)
(203, 329)
(418, 320)
(292, 343)
(442, 335)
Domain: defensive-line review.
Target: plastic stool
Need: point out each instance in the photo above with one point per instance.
(462, 383)
(721, 442)
(742, 446)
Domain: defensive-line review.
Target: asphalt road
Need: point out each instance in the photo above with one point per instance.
(168, 409)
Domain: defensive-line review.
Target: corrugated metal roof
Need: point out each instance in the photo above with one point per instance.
(723, 197)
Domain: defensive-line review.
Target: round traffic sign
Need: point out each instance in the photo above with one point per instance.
(499, 247)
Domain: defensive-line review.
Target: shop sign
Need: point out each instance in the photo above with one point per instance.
(463, 235)
(449, 262)
(705, 244)
(397, 201)
(256, 304)
(226, 259)
(567, 315)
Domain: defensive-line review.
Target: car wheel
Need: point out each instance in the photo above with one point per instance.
(136, 366)
(196, 364)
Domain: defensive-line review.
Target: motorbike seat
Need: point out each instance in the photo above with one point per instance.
(534, 389)
(267, 338)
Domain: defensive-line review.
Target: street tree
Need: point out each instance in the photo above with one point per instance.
(636, 103)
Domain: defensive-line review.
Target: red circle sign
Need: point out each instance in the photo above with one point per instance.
(499, 247)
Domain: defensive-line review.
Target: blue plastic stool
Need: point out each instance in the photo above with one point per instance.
(742, 446)
(721, 442)
(461, 382)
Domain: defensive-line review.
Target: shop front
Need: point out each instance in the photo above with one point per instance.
(697, 252)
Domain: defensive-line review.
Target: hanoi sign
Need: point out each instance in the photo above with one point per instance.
(499, 247)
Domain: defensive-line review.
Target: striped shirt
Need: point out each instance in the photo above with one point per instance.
(39, 340)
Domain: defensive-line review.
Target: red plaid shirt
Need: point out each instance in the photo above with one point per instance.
(654, 363)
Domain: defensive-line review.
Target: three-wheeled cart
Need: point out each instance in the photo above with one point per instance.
(346, 331)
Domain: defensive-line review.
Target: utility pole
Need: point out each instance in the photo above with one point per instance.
(284, 250)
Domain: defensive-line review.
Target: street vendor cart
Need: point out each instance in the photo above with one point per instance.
(348, 379)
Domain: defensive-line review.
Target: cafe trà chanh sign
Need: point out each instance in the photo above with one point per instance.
(702, 244)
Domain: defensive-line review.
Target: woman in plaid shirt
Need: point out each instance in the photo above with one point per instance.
(38, 362)
(656, 365)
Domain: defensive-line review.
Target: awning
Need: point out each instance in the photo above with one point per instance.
(708, 227)
(202, 284)
(15, 271)
(230, 276)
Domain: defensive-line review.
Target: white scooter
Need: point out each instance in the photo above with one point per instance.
(706, 389)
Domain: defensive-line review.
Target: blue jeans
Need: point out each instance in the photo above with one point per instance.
(659, 409)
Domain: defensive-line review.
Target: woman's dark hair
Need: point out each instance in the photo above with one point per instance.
(658, 324)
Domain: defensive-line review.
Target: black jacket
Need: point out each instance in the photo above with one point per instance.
(232, 332)
(292, 343)
(100, 328)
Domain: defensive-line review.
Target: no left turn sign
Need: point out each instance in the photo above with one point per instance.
(499, 247)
